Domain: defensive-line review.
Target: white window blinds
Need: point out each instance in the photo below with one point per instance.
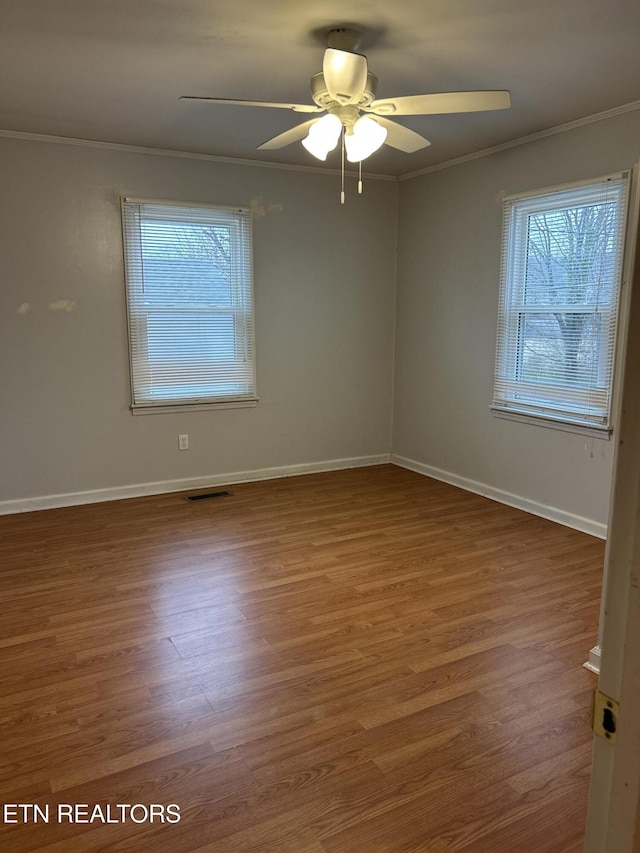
(562, 253)
(189, 301)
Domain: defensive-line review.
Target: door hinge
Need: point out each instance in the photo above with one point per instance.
(605, 716)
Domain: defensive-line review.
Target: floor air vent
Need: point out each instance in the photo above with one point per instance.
(209, 495)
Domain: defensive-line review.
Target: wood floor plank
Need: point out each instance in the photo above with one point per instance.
(363, 660)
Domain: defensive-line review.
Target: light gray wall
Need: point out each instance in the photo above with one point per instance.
(447, 298)
(324, 282)
(324, 294)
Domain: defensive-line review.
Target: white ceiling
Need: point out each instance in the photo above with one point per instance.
(112, 70)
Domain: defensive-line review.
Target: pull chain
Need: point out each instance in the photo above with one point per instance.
(360, 176)
(342, 172)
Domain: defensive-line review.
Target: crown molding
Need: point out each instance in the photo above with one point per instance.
(186, 155)
(524, 140)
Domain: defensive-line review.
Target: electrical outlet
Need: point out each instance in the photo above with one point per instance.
(183, 442)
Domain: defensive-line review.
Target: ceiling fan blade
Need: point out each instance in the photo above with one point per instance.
(442, 102)
(293, 135)
(298, 108)
(345, 75)
(401, 137)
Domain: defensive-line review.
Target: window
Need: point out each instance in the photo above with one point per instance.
(559, 291)
(189, 301)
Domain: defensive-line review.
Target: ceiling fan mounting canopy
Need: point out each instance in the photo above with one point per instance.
(345, 88)
(344, 38)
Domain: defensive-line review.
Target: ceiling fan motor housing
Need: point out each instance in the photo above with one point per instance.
(323, 99)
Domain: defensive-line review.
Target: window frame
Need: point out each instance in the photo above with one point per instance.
(557, 411)
(241, 308)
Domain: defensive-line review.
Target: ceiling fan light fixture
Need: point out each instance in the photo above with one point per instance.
(363, 139)
(323, 136)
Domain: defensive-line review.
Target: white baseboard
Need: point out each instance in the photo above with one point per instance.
(164, 486)
(586, 525)
(593, 664)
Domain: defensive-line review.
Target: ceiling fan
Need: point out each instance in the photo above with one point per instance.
(346, 91)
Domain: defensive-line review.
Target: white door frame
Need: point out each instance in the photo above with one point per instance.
(613, 821)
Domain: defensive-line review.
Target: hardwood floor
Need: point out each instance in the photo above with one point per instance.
(364, 661)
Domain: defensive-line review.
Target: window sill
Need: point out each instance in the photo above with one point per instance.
(192, 407)
(552, 423)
